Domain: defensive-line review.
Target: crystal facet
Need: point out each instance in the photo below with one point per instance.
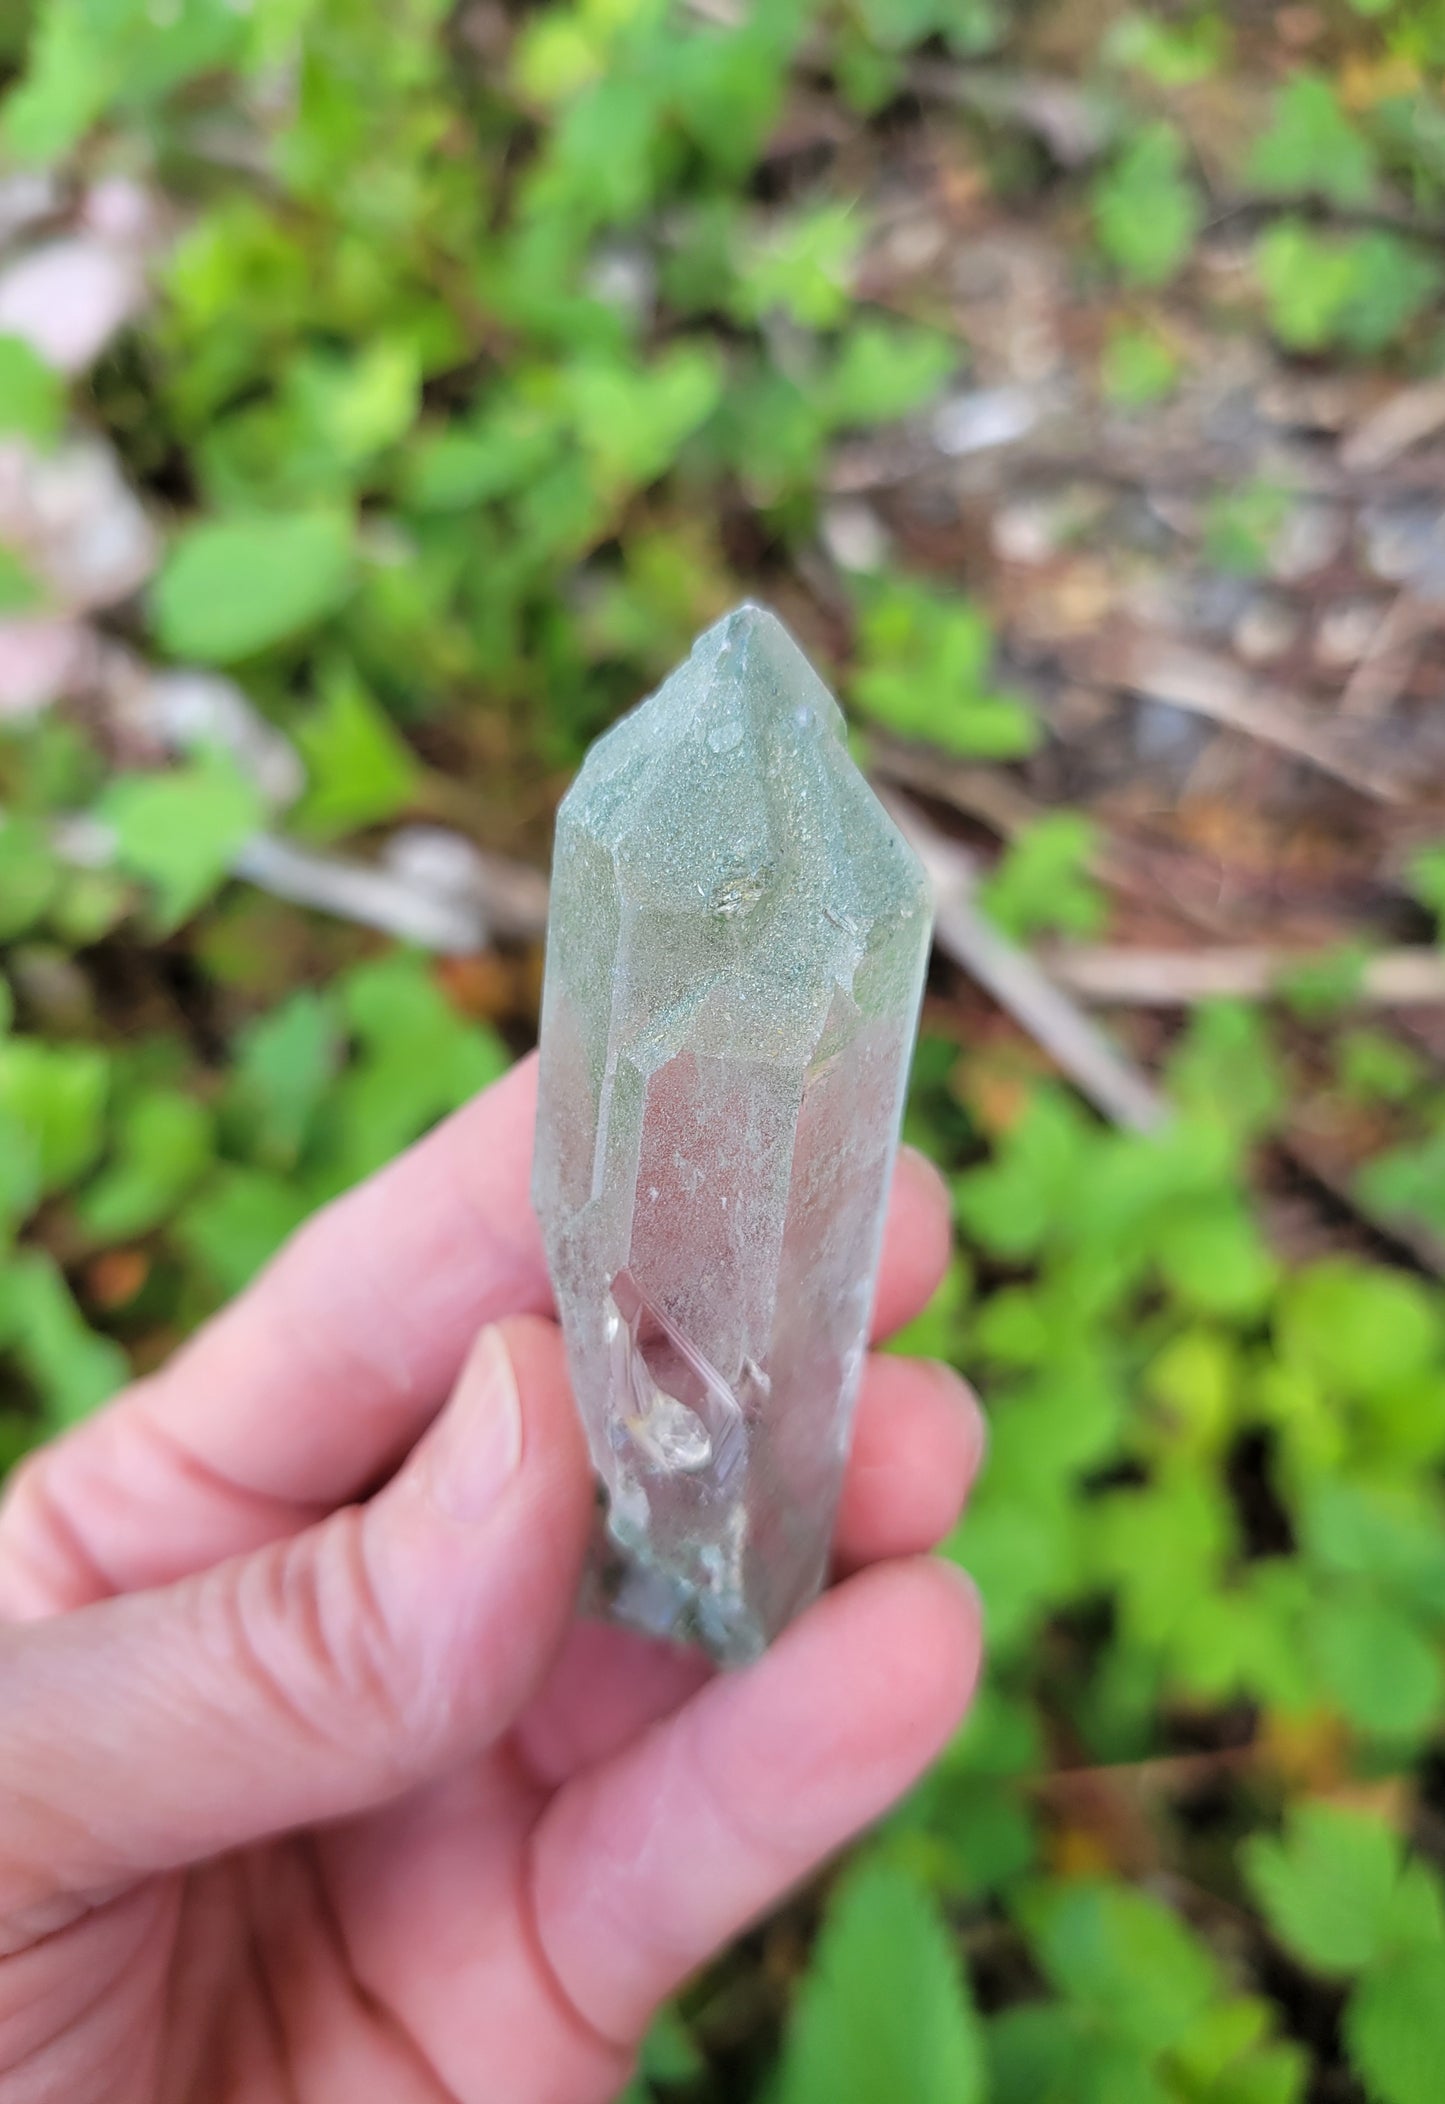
(735, 954)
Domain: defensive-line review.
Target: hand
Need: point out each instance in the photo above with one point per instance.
(312, 1789)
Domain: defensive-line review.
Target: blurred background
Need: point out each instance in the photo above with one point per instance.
(387, 396)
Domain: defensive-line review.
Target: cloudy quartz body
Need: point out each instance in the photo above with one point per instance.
(735, 955)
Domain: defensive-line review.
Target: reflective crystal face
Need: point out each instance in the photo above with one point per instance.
(735, 954)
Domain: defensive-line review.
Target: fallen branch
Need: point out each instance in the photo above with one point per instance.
(1048, 1014)
(1214, 687)
(1405, 421)
(1179, 978)
(1390, 656)
(377, 898)
(984, 793)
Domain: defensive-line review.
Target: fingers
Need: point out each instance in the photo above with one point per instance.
(315, 1678)
(303, 1391)
(645, 1865)
(917, 1444)
(916, 1243)
(314, 1383)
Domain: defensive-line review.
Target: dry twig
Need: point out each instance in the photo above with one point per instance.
(1049, 1015)
(1179, 978)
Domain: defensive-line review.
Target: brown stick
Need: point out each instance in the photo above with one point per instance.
(1178, 978)
(1049, 1015)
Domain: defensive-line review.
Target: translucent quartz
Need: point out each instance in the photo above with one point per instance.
(735, 956)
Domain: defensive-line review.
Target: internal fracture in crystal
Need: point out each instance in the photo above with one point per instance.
(735, 955)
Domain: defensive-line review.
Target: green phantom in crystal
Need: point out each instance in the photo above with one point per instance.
(735, 955)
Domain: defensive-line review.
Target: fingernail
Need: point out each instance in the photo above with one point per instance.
(929, 1172)
(968, 1586)
(480, 1443)
(969, 1408)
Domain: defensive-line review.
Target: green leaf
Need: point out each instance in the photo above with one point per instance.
(416, 1060)
(1212, 1255)
(884, 2012)
(1311, 148)
(1425, 875)
(181, 830)
(360, 769)
(1328, 1885)
(1395, 282)
(87, 58)
(1362, 1329)
(1381, 1668)
(631, 423)
(1241, 525)
(802, 267)
(1138, 368)
(283, 1069)
(236, 1223)
(884, 370)
(1124, 1956)
(1375, 1067)
(1320, 986)
(29, 874)
(1147, 210)
(19, 592)
(1394, 2026)
(32, 397)
(162, 1147)
(1309, 282)
(1175, 54)
(232, 587)
(1362, 291)
(55, 1095)
(923, 673)
(1042, 883)
(669, 2052)
(72, 1369)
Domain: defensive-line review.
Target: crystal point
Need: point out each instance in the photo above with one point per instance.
(735, 954)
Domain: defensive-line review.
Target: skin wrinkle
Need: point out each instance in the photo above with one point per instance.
(287, 2091)
(526, 1901)
(372, 2006)
(344, 1696)
(276, 1513)
(34, 1496)
(72, 2017)
(472, 1605)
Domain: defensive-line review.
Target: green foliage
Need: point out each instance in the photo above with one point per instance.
(1042, 883)
(19, 592)
(32, 400)
(883, 2012)
(232, 587)
(360, 770)
(1426, 875)
(1174, 54)
(923, 672)
(1147, 208)
(1241, 524)
(1138, 367)
(1357, 292)
(161, 1142)
(1395, 2025)
(1330, 1887)
(1311, 148)
(180, 830)
(496, 379)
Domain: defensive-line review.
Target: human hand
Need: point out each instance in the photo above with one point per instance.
(314, 1789)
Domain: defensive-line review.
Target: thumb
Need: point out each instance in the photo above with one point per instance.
(315, 1678)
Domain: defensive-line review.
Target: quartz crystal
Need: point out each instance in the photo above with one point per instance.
(735, 955)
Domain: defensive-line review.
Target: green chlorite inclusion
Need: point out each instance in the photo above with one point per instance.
(735, 955)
